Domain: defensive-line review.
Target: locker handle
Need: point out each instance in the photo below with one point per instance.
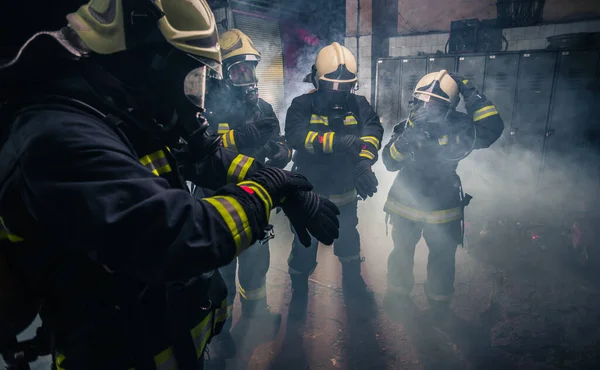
(513, 131)
(550, 132)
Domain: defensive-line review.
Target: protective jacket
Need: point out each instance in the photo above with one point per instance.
(225, 114)
(427, 187)
(97, 220)
(310, 130)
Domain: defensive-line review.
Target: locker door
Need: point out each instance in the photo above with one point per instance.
(473, 69)
(388, 91)
(435, 64)
(565, 159)
(412, 71)
(499, 85)
(534, 90)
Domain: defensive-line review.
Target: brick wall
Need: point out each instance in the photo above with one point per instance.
(522, 38)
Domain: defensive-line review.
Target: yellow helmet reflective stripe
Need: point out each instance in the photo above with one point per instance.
(336, 65)
(236, 43)
(187, 25)
(437, 85)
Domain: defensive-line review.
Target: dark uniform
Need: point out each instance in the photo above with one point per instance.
(225, 114)
(310, 132)
(426, 197)
(123, 256)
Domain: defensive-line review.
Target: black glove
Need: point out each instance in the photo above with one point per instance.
(266, 127)
(465, 87)
(307, 212)
(279, 154)
(310, 214)
(247, 136)
(347, 143)
(365, 180)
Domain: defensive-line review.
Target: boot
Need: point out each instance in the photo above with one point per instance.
(439, 309)
(299, 299)
(259, 314)
(352, 281)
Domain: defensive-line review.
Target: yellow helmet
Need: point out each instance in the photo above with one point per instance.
(335, 68)
(188, 25)
(240, 58)
(236, 43)
(438, 85)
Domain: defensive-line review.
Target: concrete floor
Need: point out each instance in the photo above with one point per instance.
(514, 308)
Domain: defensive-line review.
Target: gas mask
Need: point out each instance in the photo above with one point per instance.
(241, 77)
(432, 115)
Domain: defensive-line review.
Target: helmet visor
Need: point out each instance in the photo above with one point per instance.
(242, 73)
(194, 86)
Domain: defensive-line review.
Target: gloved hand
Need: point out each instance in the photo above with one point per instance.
(465, 87)
(310, 214)
(279, 154)
(266, 126)
(347, 143)
(255, 134)
(307, 212)
(365, 180)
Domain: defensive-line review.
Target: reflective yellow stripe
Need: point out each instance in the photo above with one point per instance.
(396, 155)
(371, 140)
(254, 294)
(367, 154)
(484, 113)
(60, 358)
(439, 297)
(223, 313)
(309, 141)
(431, 217)
(201, 334)
(6, 234)
(165, 360)
(262, 193)
(319, 120)
(343, 199)
(239, 168)
(328, 142)
(410, 123)
(156, 162)
(223, 128)
(443, 140)
(229, 140)
(350, 120)
(236, 219)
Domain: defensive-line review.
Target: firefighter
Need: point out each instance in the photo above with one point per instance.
(336, 135)
(426, 197)
(96, 222)
(248, 125)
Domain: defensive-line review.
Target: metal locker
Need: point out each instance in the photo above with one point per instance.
(473, 69)
(571, 111)
(534, 90)
(413, 69)
(499, 86)
(435, 64)
(387, 91)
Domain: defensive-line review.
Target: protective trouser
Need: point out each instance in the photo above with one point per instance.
(303, 260)
(252, 267)
(442, 240)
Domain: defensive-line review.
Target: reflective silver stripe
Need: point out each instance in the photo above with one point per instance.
(432, 217)
(239, 168)
(439, 297)
(328, 142)
(201, 333)
(350, 120)
(223, 128)
(396, 155)
(234, 216)
(254, 294)
(349, 258)
(484, 112)
(319, 120)
(343, 199)
(309, 142)
(371, 140)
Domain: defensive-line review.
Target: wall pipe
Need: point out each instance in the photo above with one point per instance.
(357, 39)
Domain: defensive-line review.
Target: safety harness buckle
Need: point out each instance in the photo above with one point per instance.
(269, 234)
